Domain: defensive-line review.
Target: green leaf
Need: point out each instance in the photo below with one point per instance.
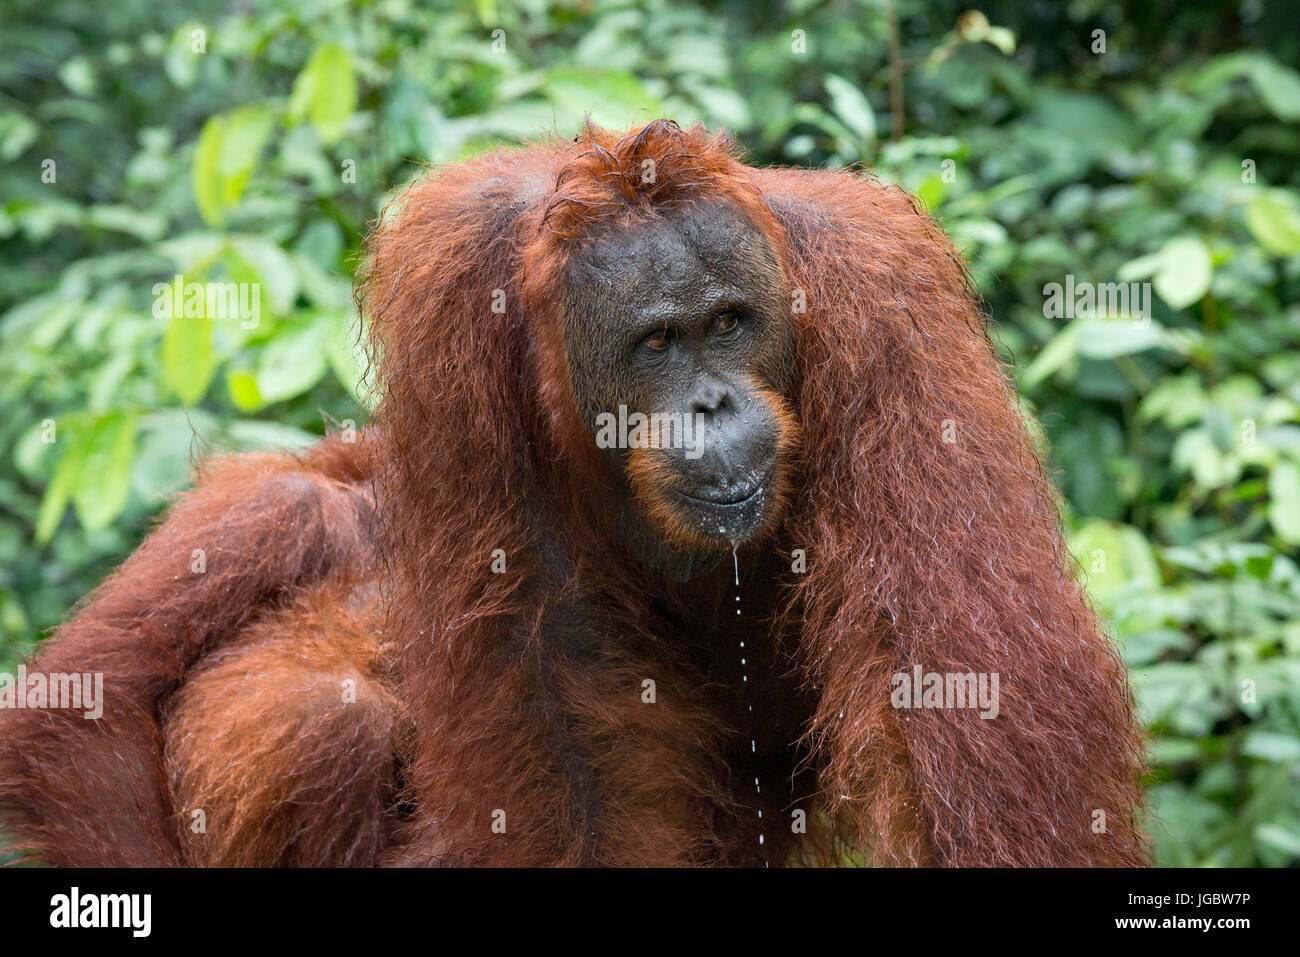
(293, 361)
(126, 219)
(1196, 452)
(78, 76)
(1110, 338)
(1184, 273)
(205, 177)
(1176, 401)
(187, 354)
(244, 135)
(1091, 125)
(1180, 695)
(344, 354)
(30, 451)
(254, 434)
(487, 12)
(325, 92)
(1175, 751)
(1140, 268)
(848, 103)
(931, 191)
(1003, 39)
(613, 98)
(16, 133)
(1259, 566)
(1279, 838)
(1271, 746)
(242, 386)
(59, 491)
(1284, 500)
(267, 261)
(227, 152)
(1274, 219)
(180, 62)
(105, 474)
(1278, 86)
(1116, 558)
(1063, 347)
(1147, 645)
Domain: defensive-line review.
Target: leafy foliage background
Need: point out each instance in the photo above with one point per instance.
(1170, 158)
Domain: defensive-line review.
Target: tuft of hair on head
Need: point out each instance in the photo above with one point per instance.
(612, 176)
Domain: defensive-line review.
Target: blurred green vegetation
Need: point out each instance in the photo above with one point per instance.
(253, 142)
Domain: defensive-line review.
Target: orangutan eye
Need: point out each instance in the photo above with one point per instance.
(658, 340)
(726, 323)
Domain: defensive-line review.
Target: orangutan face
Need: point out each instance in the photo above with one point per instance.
(680, 347)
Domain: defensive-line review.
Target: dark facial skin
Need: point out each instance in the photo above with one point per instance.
(688, 314)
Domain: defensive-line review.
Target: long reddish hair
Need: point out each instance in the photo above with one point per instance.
(920, 551)
(505, 649)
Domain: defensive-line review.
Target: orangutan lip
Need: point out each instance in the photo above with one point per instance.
(731, 502)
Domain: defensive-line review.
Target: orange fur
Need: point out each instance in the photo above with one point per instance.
(267, 733)
(518, 694)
